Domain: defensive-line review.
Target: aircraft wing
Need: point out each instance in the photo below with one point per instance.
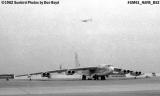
(29, 74)
(21, 75)
(60, 71)
(74, 69)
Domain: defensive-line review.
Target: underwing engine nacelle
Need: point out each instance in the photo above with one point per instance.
(126, 71)
(69, 72)
(46, 74)
(136, 73)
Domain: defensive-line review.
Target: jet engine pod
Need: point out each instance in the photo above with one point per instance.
(124, 71)
(46, 74)
(128, 71)
(138, 73)
(69, 72)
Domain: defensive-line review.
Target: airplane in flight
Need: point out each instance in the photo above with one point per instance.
(86, 20)
(100, 72)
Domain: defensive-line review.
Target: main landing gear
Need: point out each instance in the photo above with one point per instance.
(103, 78)
(95, 77)
(83, 77)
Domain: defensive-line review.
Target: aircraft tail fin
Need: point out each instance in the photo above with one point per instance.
(60, 67)
(77, 64)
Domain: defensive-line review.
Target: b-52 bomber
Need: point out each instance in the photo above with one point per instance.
(100, 72)
(93, 73)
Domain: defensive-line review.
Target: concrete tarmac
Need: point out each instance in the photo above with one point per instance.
(109, 87)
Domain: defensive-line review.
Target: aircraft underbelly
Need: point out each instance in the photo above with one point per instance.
(84, 72)
(102, 72)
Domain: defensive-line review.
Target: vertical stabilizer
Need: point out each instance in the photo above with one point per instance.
(60, 67)
(76, 60)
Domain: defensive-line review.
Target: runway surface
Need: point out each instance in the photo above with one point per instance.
(109, 87)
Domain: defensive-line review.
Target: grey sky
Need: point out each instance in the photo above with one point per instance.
(37, 38)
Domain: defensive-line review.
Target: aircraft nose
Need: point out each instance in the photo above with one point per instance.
(111, 68)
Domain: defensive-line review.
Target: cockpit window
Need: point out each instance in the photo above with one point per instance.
(109, 65)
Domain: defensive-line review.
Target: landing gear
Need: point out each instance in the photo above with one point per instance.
(107, 76)
(135, 77)
(95, 77)
(103, 78)
(7, 79)
(29, 77)
(83, 77)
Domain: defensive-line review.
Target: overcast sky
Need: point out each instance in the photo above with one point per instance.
(37, 38)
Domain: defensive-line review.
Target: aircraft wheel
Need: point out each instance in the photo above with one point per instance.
(7, 79)
(95, 77)
(83, 77)
(103, 78)
(135, 77)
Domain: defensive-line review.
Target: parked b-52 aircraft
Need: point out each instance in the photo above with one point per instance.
(94, 73)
